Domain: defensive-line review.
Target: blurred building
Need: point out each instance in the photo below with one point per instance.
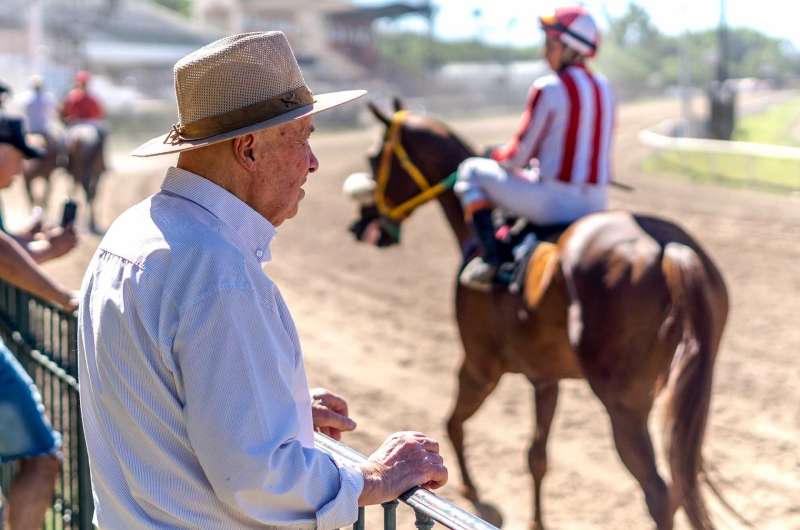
(131, 46)
(123, 40)
(333, 39)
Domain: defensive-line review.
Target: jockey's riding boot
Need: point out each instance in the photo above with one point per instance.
(480, 272)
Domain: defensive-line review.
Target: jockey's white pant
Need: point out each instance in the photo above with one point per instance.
(521, 193)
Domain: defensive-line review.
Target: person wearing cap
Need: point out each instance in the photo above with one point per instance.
(194, 395)
(557, 167)
(43, 243)
(5, 93)
(26, 435)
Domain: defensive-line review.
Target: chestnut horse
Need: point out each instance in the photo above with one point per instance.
(84, 145)
(630, 303)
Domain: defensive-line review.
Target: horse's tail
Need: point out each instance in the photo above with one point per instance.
(689, 386)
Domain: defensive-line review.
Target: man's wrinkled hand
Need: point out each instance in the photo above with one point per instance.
(405, 460)
(329, 413)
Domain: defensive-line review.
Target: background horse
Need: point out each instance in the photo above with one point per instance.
(41, 167)
(630, 303)
(84, 147)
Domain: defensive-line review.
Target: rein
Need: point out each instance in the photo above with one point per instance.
(427, 192)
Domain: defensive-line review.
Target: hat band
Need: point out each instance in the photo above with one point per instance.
(240, 118)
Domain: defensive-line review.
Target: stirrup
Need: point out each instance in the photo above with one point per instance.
(478, 275)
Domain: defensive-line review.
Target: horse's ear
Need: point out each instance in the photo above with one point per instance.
(398, 105)
(379, 113)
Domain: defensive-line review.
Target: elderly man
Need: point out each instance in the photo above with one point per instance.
(26, 434)
(193, 388)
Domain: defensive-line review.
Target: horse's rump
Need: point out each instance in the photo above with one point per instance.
(84, 146)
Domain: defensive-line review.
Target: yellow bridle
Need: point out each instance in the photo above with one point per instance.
(394, 146)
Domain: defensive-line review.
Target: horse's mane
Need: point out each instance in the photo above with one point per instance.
(462, 143)
(440, 131)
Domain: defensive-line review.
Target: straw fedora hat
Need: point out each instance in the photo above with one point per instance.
(235, 86)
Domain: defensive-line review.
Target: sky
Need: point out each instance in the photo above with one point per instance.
(455, 20)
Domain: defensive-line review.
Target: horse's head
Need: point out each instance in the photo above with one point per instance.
(412, 166)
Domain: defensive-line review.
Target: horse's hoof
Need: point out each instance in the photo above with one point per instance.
(490, 514)
(537, 526)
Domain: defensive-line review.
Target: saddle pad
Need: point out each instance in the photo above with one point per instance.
(534, 272)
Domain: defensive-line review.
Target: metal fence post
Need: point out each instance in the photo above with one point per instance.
(390, 515)
(44, 340)
(361, 522)
(423, 522)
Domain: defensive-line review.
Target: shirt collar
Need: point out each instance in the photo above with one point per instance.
(255, 231)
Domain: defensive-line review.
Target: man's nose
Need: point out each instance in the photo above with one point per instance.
(313, 162)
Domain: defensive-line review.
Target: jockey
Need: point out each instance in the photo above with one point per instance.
(39, 108)
(566, 127)
(79, 105)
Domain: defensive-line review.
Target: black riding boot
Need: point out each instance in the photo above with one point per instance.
(480, 272)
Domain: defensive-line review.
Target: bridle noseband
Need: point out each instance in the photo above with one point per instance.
(392, 145)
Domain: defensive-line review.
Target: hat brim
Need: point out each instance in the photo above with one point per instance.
(159, 145)
(29, 152)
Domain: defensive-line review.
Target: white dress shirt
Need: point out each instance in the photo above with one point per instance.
(194, 395)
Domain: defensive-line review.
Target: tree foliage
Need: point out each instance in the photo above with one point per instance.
(184, 7)
(417, 52)
(634, 53)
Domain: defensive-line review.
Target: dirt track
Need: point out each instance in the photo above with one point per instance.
(377, 328)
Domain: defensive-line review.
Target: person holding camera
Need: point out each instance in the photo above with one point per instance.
(41, 240)
(26, 435)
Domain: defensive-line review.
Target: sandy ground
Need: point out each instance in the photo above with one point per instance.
(377, 327)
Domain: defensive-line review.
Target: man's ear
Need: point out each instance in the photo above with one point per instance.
(243, 151)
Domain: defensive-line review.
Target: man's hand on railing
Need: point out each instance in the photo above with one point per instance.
(329, 413)
(405, 460)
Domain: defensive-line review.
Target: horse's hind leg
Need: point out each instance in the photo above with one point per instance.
(90, 188)
(474, 385)
(546, 398)
(636, 450)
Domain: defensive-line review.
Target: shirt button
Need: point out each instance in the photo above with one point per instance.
(260, 253)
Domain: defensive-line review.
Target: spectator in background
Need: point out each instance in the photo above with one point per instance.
(5, 93)
(26, 434)
(42, 242)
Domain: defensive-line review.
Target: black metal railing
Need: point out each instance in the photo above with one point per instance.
(44, 340)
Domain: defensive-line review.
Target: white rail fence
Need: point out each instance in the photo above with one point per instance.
(714, 151)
